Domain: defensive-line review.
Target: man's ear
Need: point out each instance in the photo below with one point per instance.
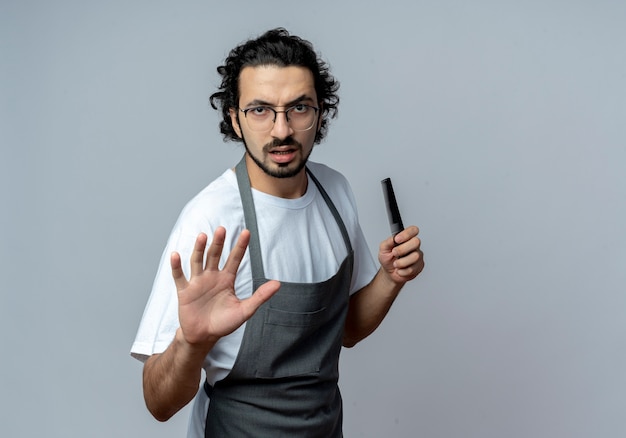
(235, 121)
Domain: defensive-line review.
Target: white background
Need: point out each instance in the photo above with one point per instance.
(501, 123)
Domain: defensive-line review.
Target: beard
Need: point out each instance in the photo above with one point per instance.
(283, 170)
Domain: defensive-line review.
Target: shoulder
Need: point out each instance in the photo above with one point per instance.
(322, 171)
(339, 190)
(212, 206)
(332, 180)
(220, 193)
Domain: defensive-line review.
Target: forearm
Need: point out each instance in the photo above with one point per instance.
(368, 307)
(171, 379)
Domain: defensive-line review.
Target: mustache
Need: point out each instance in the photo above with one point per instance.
(288, 141)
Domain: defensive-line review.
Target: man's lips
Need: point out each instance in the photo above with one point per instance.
(282, 149)
(283, 154)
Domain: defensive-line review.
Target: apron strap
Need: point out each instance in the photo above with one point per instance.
(333, 210)
(249, 213)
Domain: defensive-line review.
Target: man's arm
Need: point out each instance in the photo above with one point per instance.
(208, 309)
(171, 379)
(401, 260)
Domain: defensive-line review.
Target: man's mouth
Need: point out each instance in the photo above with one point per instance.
(283, 154)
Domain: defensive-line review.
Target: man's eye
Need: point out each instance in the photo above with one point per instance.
(300, 108)
(260, 111)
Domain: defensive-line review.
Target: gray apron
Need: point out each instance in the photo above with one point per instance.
(284, 380)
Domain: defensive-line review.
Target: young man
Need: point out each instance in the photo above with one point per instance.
(287, 278)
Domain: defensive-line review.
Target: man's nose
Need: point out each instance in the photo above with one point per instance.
(281, 128)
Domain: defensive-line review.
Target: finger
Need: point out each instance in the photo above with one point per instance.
(177, 271)
(261, 295)
(411, 271)
(407, 260)
(197, 255)
(405, 235)
(214, 253)
(407, 247)
(410, 265)
(237, 253)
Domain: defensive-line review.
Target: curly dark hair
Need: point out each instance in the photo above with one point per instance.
(275, 47)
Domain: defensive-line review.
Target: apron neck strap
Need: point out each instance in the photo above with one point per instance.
(249, 213)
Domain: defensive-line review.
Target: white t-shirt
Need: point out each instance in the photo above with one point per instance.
(300, 242)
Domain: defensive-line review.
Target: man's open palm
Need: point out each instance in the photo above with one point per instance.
(207, 305)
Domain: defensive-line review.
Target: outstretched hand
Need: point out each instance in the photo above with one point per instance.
(208, 308)
(401, 257)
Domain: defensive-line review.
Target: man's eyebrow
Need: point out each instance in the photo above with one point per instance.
(259, 102)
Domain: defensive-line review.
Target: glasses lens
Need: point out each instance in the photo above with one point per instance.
(301, 117)
(260, 118)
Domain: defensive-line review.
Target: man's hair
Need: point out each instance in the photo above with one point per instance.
(274, 48)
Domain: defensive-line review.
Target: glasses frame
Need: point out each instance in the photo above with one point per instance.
(276, 112)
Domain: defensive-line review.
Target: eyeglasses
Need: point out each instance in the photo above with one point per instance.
(300, 117)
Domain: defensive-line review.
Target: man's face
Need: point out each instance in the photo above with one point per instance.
(280, 151)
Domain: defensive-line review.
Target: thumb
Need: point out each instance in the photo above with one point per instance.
(260, 296)
(387, 245)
